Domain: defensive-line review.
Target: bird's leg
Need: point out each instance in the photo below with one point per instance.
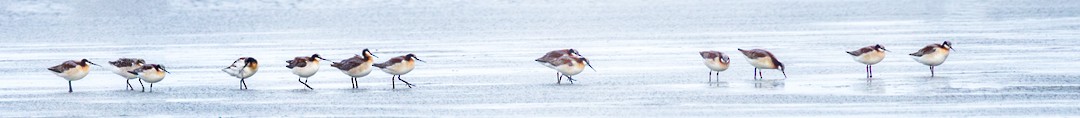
(242, 84)
(69, 87)
(717, 76)
(755, 73)
(129, 85)
(710, 76)
(392, 86)
(406, 83)
(557, 75)
(870, 69)
(867, 70)
(141, 85)
(931, 71)
(571, 79)
(151, 87)
(305, 83)
(760, 76)
(245, 83)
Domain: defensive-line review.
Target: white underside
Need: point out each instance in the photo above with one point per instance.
(715, 65)
(235, 72)
(73, 74)
(398, 69)
(306, 71)
(152, 76)
(933, 59)
(124, 72)
(570, 70)
(762, 63)
(547, 65)
(870, 58)
(359, 71)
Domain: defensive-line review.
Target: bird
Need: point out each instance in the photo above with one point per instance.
(357, 66)
(933, 55)
(869, 55)
(72, 70)
(242, 68)
(305, 67)
(398, 66)
(150, 73)
(716, 61)
(762, 59)
(553, 56)
(569, 65)
(123, 65)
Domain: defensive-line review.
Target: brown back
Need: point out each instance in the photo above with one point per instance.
(297, 62)
(390, 62)
(926, 50)
(127, 62)
(553, 55)
(65, 66)
(860, 51)
(350, 63)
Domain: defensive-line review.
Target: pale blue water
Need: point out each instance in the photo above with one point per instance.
(1012, 58)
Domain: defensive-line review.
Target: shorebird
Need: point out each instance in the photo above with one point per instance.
(357, 66)
(242, 68)
(398, 66)
(150, 73)
(123, 65)
(553, 56)
(569, 65)
(72, 70)
(933, 55)
(716, 61)
(762, 59)
(869, 55)
(305, 67)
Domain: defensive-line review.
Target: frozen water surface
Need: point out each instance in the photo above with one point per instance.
(1012, 59)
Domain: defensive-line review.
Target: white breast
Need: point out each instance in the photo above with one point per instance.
(307, 71)
(152, 76)
(715, 65)
(934, 59)
(399, 68)
(360, 71)
(566, 69)
(74, 74)
(248, 72)
(870, 58)
(235, 71)
(762, 63)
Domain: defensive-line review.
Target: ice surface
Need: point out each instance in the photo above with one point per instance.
(1012, 58)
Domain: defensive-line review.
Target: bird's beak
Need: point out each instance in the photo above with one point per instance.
(166, 71)
(92, 63)
(373, 55)
(589, 64)
(324, 59)
(887, 50)
(418, 59)
(783, 72)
